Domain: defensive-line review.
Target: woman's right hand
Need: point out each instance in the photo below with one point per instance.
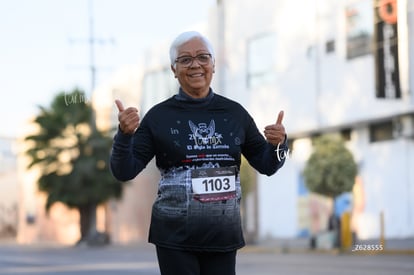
(128, 118)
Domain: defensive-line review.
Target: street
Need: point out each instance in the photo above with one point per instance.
(141, 260)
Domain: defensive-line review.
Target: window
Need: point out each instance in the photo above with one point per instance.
(330, 46)
(359, 29)
(381, 131)
(261, 60)
(346, 134)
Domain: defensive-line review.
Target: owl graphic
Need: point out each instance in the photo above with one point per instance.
(201, 132)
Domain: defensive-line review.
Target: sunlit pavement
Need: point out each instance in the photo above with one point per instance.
(140, 259)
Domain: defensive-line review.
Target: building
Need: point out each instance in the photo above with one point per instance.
(8, 188)
(332, 66)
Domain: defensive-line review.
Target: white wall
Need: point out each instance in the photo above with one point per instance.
(388, 183)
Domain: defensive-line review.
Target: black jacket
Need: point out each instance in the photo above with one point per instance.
(186, 134)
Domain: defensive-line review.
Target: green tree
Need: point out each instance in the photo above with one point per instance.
(331, 169)
(73, 157)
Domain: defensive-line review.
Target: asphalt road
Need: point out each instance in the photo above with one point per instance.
(141, 260)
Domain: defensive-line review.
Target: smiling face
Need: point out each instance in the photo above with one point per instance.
(195, 79)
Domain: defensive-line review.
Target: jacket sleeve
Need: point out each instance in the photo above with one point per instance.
(130, 153)
(263, 156)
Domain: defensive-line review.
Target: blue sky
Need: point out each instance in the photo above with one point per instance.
(44, 49)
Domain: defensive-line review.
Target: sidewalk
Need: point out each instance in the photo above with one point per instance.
(302, 245)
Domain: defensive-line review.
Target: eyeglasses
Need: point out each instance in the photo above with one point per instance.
(186, 61)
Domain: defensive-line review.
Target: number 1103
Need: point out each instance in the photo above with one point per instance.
(216, 184)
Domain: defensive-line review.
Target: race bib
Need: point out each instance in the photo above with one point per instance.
(214, 184)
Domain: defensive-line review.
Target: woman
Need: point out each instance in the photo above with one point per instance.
(197, 138)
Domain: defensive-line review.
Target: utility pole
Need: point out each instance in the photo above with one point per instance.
(92, 41)
(92, 47)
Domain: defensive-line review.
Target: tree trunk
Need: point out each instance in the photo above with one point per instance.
(89, 233)
(87, 214)
(84, 222)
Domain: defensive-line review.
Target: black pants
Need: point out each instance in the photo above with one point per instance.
(178, 262)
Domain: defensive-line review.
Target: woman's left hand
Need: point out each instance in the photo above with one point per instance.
(275, 133)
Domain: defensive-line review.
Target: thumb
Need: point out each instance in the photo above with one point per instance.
(280, 118)
(119, 105)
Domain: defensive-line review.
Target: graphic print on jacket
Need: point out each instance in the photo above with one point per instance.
(203, 135)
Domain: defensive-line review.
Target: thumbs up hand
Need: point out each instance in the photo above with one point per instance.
(275, 133)
(128, 118)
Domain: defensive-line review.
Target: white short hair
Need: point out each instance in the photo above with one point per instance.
(184, 38)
